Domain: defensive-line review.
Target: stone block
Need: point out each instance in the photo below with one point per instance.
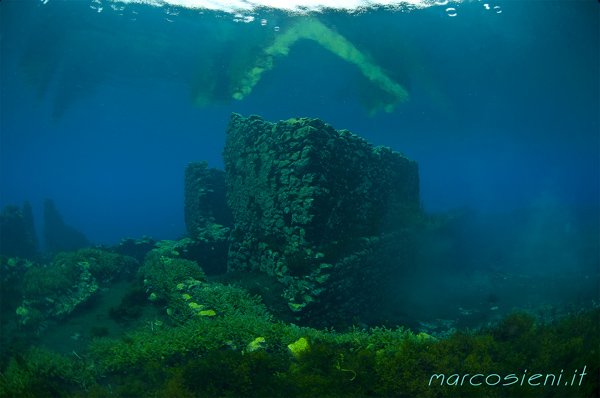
(207, 217)
(322, 210)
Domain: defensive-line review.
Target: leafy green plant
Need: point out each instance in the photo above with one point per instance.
(42, 372)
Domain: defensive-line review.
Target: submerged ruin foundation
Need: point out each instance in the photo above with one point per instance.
(326, 213)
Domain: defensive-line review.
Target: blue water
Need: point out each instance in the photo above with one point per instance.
(96, 111)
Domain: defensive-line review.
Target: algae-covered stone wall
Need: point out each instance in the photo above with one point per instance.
(207, 217)
(205, 192)
(320, 209)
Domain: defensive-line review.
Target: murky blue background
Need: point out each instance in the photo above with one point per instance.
(96, 111)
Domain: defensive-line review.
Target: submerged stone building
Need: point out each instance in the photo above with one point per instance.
(208, 219)
(321, 210)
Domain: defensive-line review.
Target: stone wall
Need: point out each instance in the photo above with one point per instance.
(205, 192)
(207, 217)
(322, 210)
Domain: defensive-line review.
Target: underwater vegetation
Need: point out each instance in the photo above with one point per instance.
(211, 339)
(216, 340)
(242, 351)
(55, 290)
(322, 222)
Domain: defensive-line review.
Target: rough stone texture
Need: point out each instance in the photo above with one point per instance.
(205, 193)
(136, 248)
(320, 209)
(207, 217)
